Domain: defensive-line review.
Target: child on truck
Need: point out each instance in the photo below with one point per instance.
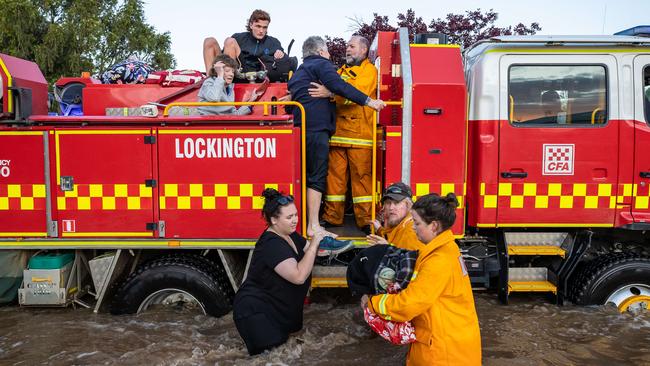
(218, 87)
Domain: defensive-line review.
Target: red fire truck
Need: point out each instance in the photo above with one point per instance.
(540, 137)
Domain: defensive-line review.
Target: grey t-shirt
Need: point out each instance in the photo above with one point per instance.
(214, 89)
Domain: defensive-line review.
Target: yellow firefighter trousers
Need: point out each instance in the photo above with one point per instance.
(359, 161)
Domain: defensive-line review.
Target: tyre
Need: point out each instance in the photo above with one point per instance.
(188, 280)
(621, 279)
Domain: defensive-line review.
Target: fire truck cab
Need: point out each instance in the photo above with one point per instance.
(541, 138)
(558, 129)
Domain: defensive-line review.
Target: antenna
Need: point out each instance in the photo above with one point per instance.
(604, 18)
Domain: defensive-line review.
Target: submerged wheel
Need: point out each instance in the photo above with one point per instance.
(179, 280)
(632, 298)
(622, 280)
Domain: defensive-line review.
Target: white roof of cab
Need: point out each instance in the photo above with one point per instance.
(556, 42)
(571, 39)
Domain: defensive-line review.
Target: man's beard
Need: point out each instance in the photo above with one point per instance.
(351, 61)
(393, 221)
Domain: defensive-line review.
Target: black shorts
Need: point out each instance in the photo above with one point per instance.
(317, 151)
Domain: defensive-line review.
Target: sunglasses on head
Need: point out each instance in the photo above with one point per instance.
(397, 190)
(285, 200)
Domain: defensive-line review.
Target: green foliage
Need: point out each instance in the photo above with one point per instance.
(65, 37)
(463, 29)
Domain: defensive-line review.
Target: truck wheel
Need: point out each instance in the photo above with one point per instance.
(189, 280)
(621, 279)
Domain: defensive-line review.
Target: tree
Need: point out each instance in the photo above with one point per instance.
(336, 47)
(378, 24)
(474, 26)
(129, 35)
(65, 37)
(464, 29)
(414, 25)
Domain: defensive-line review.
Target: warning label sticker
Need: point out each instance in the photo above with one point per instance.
(68, 226)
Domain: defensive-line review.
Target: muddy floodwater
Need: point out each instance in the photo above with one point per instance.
(529, 331)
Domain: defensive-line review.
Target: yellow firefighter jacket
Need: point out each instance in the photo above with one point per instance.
(403, 235)
(440, 304)
(354, 122)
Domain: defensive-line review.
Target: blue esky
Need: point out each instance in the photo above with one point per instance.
(191, 21)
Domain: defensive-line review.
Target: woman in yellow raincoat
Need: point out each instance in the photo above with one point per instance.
(438, 300)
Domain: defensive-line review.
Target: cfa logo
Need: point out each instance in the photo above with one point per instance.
(4, 168)
(558, 159)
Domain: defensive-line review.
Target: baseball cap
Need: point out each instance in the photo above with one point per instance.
(397, 192)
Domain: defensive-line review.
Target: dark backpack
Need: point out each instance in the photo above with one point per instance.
(278, 70)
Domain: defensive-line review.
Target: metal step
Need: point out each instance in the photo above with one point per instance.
(329, 276)
(348, 230)
(536, 250)
(536, 243)
(530, 279)
(532, 286)
(536, 239)
(527, 274)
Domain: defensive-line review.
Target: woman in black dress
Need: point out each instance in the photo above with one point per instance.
(269, 304)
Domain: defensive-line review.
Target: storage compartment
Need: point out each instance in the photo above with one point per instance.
(45, 282)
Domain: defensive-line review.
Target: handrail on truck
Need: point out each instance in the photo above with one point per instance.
(265, 105)
(374, 161)
(303, 203)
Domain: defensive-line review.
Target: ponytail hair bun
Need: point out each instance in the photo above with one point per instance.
(432, 207)
(273, 203)
(270, 194)
(451, 200)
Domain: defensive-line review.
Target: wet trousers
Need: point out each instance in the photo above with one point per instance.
(260, 333)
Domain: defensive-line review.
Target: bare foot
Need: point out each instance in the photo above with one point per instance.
(312, 230)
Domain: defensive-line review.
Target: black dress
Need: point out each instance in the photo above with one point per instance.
(267, 307)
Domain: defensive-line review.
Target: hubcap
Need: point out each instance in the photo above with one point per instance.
(171, 297)
(633, 298)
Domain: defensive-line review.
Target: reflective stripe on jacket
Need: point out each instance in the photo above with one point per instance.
(440, 304)
(354, 122)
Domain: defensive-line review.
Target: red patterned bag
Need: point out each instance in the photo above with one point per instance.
(394, 332)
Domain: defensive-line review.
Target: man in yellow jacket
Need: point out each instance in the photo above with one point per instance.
(438, 300)
(351, 145)
(397, 228)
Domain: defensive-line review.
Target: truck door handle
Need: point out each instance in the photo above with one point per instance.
(514, 174)
(644, 174)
